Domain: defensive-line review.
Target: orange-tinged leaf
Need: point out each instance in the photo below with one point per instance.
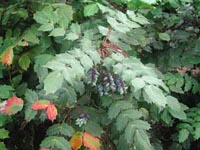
(12, 106)
(40, 105)
(51, 112)
(90, 141)
(7, 57)
(76, 141)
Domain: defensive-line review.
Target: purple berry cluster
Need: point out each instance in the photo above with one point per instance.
(85, 116)
(93, 75)
(121, 87)
(106, 81)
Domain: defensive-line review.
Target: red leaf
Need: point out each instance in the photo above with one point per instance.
(76, 141)
(90, 141)
(40, 105)
(7, 57)
(51, 112)
(12, 106)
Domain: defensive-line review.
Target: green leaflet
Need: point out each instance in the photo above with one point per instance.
(122, 143)
(24, 62)
(121, 23)
(3, 120)
(90, 9)
(56, 143)
(55, 65)
(153, 94)
(117, 107)
(5, 91)
(196, 134)
(139, 18)
(86, 62)
(129, 75)
(137, 84)
(30, 97)
(183, 135)
(2, 146)
(173, 103)
(155, 81)
(57, 32)
(44, 16)
(46, 27)
(70, 93)
(31, 35)
(105, 9)
(3, 133)
(60, 129)
(43, 59)
(164, 36)
(53, 82)
(124, 117)
(166, 117)
(65, 14)
(75, 31)
(188, 83)
(178, 114)
(141, 140)
(132, 128)
(93, 128)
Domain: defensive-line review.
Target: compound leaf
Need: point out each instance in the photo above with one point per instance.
(55, 142)
(60, 129)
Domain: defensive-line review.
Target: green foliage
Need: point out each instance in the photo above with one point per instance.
(189, 126)
(72, 54)
(55, 143)
(128, 122)
(90, 9)
(175, 25)
(126, 28)
(164, 36)
(2, 146)
(24, 62)
(54, 139)
(181, 83)
(5, 91)
(152, 90)
(4, 133)
(115, 109)
(30, 97)
(70, 67)
(54, 18)
(60, 129)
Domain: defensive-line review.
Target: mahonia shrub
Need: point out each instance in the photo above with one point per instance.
(71, 78)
